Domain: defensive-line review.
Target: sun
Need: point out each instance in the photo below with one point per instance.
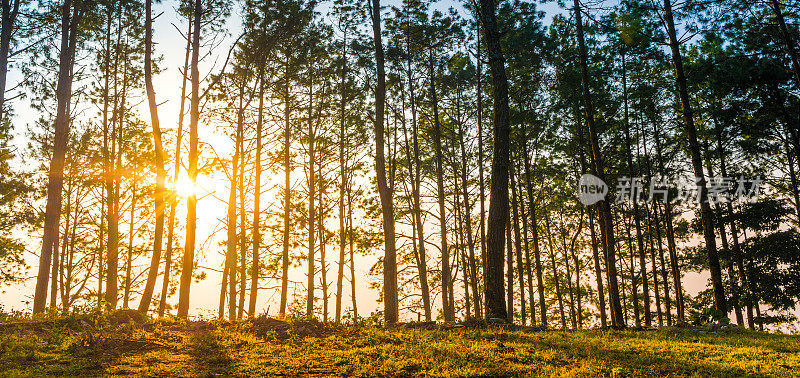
(184, 187)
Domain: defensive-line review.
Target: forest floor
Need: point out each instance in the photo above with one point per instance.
(99, 345)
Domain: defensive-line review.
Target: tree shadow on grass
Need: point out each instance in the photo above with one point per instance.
(210, 355)
(630, 358)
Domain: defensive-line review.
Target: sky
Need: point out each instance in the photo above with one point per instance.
(211, 190)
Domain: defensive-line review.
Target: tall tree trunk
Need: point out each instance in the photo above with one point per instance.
(162, 303)
(152, 272)
(311, 205)
(343, 179)
(231, 224)
(323, 267)
(598, 272)
(113, 181)
(656, 221)
(387, 208)
(191, 202)
(70, 20)
(416, 213)
(481, 184)
(529, 177)
(606, 220)
(706, 216)
(498, 201)
(732, 276)
(437, 144)
(351, 241)
(242, 219)
(636, 213)
(518, 245)
(509, 273)
(528, 264)
(100, 247)
(468, 208)
(287, 194)
(255, 269)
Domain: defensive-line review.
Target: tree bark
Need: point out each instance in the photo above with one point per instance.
(387, 208)
(191, 202)
(255, 269)
(498, 201)
(706, 216)
(287, 194)
(162, 303)
(70, 20)
(518, 246)
(161, 173)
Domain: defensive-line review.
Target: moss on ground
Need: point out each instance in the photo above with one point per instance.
(170, 348)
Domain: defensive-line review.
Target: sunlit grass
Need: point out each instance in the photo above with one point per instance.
(175, 349)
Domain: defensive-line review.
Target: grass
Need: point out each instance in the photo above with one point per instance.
(92, 347)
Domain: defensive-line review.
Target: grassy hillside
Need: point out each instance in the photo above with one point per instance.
(82, 346)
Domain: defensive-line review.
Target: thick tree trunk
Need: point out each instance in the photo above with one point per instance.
(387, 208)
(498, 201)
(70, 20)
